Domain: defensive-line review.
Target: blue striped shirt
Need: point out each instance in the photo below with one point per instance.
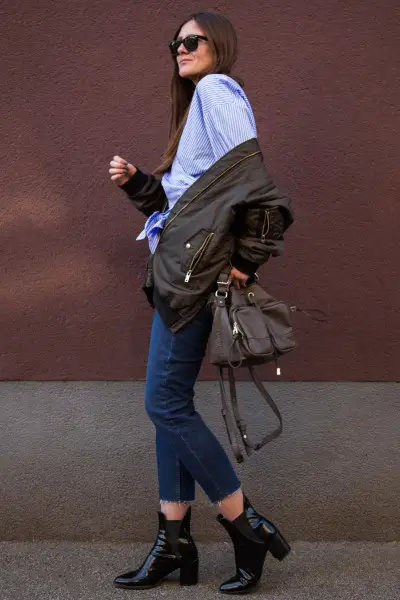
(220, 118)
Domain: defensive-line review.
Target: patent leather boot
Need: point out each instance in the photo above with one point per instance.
(252, 536)
(173, 549)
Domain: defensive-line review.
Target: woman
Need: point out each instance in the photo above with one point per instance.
(214, 206)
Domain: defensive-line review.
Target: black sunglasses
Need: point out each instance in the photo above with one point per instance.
(191, 43)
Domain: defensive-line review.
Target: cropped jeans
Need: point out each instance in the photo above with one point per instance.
(186, 450)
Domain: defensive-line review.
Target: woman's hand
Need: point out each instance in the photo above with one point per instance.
(121, 171)
(238, 278)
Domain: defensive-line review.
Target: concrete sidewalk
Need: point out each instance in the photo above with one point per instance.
(313, 571)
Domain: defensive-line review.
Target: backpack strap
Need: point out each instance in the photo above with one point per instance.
(316, 314)
(261, 388)
(230, 428)
(241, 425)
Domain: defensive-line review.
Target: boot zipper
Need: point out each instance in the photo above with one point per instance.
(197, 257)
(168, 223)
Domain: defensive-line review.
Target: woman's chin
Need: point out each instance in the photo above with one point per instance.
(187, 72)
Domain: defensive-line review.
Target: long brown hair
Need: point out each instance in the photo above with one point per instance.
(223, 41)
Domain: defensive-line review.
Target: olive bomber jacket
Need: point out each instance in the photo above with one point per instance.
(232, 214)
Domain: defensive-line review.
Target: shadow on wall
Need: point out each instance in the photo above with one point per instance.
(69, 287)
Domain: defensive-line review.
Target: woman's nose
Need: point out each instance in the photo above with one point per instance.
(182, 50)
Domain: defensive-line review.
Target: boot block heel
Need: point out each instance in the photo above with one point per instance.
(279, 547)
(189, 574)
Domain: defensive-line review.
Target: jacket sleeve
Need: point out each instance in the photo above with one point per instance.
(146, 193)
(259, 229)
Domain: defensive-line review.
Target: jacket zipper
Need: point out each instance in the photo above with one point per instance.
(197, 257)
(263, 232)
(168, 223)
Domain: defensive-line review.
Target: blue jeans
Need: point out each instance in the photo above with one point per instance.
(187, 451)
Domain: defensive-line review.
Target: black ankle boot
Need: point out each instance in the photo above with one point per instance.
(266, 530)
(252, 536)
(173, 549)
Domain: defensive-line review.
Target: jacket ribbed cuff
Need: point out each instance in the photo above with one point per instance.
(243, 265)
(135, 183)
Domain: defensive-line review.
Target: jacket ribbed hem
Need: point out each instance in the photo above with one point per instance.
(135, 183)
(244, 266)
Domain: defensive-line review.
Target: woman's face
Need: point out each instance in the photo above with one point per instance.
(194, 65)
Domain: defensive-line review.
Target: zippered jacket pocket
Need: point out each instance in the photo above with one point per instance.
(194, 250)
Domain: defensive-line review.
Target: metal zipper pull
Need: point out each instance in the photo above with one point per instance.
(235, 330)
(264, 233)
(278, 369)
(188, 276)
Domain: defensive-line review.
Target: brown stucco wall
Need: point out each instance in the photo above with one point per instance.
(81, 82)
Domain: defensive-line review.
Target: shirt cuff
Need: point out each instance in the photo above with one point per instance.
(135, 183)
(244, 266)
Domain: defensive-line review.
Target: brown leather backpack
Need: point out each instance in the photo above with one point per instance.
(250, 327)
